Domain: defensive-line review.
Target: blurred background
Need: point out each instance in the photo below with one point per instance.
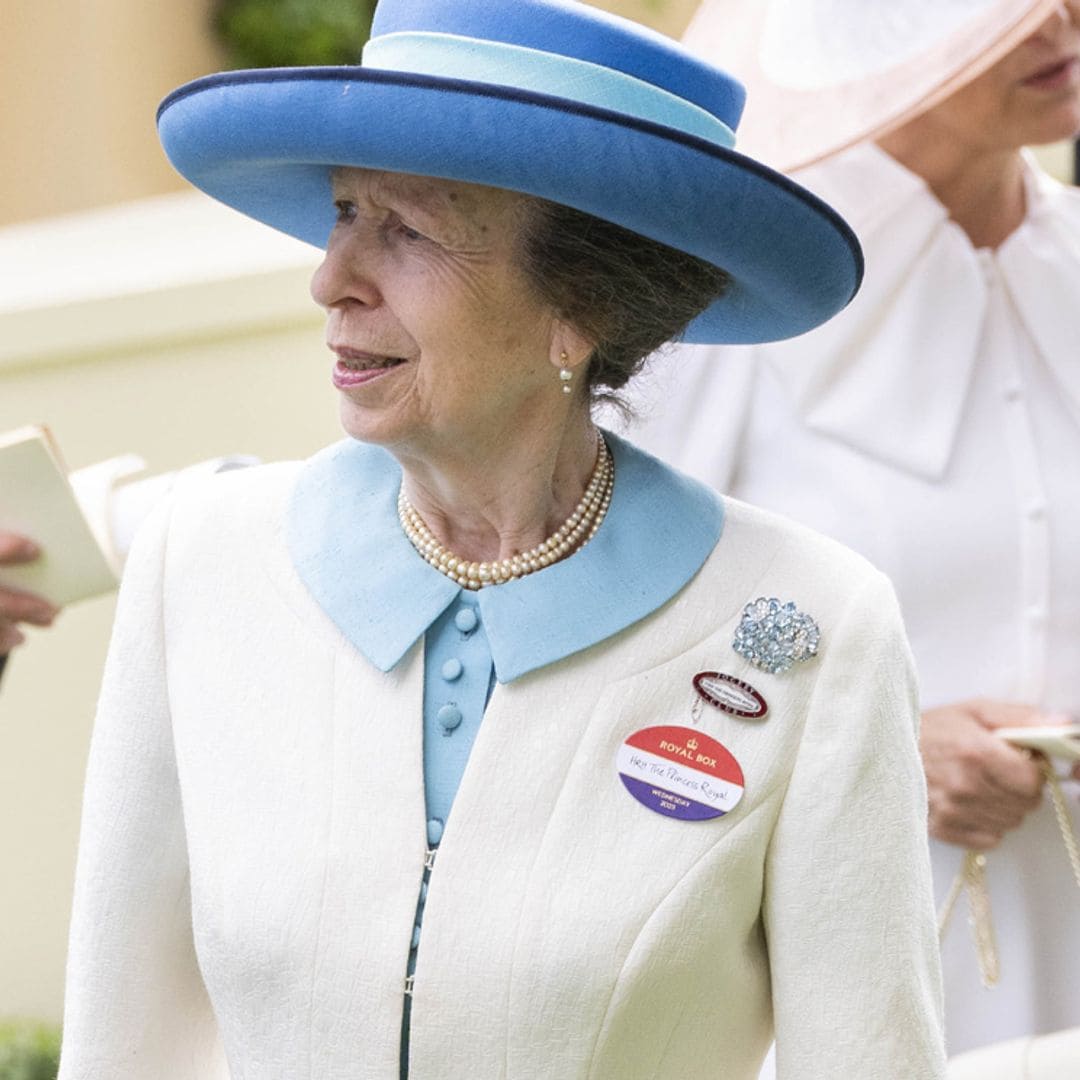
(135, 316)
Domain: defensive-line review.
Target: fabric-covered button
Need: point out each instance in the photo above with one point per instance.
(1013, 392)
(1036, 512)
(416, 936)
(434, 830)
(452, 669)
(466, 620)
(449, 716)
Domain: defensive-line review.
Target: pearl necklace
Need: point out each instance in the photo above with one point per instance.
(574, 533)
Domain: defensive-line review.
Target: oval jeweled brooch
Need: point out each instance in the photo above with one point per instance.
(774, 636)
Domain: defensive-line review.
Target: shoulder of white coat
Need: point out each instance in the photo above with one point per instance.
(244, 508)
(765, 554)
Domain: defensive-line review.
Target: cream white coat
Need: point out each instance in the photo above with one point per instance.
(254, 837)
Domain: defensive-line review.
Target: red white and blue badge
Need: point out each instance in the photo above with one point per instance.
(680, 772)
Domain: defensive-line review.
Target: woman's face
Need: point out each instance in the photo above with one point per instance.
(440, 341)
(1030, 97)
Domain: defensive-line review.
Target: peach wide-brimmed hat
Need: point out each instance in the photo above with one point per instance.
(822, 75)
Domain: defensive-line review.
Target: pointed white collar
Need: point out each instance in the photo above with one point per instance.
(879, 377)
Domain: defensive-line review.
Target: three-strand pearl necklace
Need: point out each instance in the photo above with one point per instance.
(574, 533)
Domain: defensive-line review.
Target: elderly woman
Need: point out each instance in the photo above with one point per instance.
(935, 425)
(482, 744)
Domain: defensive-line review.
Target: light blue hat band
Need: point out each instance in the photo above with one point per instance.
(471, 59)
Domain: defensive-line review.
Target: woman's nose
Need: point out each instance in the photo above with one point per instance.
(344, 275)
(323, 289)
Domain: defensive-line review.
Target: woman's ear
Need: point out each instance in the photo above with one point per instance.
(570, 348)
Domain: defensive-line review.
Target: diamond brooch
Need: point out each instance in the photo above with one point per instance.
(774, 636)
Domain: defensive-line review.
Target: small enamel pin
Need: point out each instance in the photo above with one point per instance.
(730, 695)
(680, 772)
(775, 636)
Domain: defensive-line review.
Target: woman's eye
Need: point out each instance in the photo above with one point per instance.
(407, 233)
(346, 209)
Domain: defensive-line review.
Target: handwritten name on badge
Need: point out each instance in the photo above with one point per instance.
(679, 772)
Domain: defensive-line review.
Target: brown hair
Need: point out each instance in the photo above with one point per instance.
(626, 293)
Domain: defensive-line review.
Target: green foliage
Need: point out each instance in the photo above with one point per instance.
(29, 1050)
(292, 33)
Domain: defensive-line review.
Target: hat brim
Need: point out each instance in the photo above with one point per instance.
(264, 142)
(790, 127)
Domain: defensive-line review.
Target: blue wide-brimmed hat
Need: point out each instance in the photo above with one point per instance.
(547, 97)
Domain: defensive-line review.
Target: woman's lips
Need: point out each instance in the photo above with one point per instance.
(355, 367)
(1055, 76)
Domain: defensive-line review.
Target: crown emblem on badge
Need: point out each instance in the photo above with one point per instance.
(692, 744)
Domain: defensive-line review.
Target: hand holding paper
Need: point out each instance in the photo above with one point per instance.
(19, 607)
(64, 537)
(37, 501)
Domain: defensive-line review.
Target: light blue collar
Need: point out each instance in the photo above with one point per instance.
(350, 552)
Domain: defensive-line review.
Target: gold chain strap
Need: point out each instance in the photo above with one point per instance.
(1068, 834)
(972, 877)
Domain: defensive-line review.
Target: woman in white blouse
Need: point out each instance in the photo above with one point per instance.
(935, 424)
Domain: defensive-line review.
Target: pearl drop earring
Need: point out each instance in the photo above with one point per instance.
(565, 374)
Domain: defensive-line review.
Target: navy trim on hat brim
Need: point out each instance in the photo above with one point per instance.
(793, 260)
